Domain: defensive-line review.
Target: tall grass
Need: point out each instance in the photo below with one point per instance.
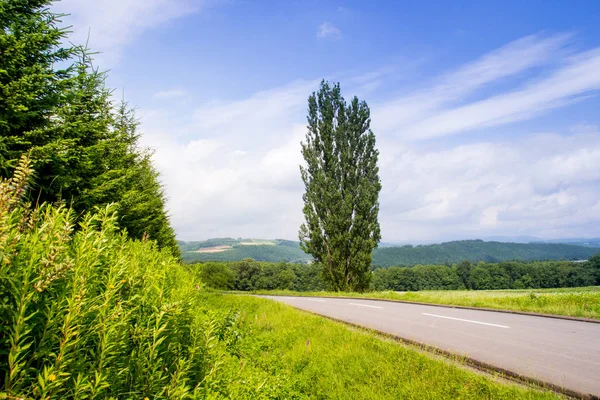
(285, 353)
(87, 313)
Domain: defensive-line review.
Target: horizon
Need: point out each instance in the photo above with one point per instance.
(484, 129)
(499, 239)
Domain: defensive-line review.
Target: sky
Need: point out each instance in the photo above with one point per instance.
(486, 114)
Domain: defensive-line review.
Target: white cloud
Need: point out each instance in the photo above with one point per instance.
(327, 30)
(512, 59)
(258, 121)
(577, 78)
(544, 185)
(169, 94)
(113, 24)
(231, 167)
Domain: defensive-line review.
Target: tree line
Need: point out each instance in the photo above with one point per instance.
(55, 106)
(249, 275)
(489, 276)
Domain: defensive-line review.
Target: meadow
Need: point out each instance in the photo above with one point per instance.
(581, 302)
(284, 353)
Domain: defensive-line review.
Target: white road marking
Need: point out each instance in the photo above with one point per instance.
(467, 320)
(319, 300)
(363, 305)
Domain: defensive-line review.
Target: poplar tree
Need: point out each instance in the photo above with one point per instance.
(342, 186)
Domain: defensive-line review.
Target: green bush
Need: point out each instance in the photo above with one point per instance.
(87, 313)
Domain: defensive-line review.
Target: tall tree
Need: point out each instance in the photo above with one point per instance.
(84, 148)
(31, 87)
(341, 178)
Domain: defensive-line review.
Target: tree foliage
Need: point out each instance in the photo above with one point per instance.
(55, 106)
(251, 275)
(486, 276)
(342, 188)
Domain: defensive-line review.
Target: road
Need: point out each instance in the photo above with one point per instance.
(562, 352)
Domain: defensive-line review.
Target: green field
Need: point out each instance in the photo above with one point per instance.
(284, 353)
(575, 302)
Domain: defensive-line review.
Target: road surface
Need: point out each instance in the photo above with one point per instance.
(562, 352)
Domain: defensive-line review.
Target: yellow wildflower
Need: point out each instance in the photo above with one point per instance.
(52, 377)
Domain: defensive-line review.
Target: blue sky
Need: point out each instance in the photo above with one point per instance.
(486, 113)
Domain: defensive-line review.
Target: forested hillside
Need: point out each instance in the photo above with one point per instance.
(590, 242)
(228, 249)
(478, 250)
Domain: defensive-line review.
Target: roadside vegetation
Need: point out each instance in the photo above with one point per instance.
(88, 313)
(286, 353)
(575, 302)
(548, 287)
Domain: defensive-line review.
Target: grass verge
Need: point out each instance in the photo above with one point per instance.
(286, 353)
(574, 302)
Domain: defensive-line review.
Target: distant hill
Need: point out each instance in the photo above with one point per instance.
(478, 250)
(229, 249)
(589, 242)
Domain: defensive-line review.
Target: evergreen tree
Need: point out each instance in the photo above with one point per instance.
(84, 149)
(342, 189)
(132, 182)
(31, 87)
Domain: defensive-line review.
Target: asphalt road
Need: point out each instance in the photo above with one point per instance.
(562, 352)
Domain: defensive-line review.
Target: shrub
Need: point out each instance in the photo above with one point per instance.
(87, 313)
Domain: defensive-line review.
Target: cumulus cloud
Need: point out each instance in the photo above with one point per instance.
(327, 30)
(231, 167)
(543, 185)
